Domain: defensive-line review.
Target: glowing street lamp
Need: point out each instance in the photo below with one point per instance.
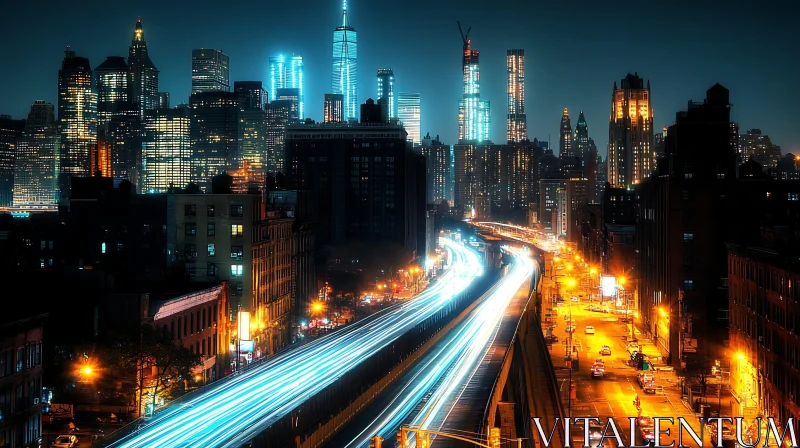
(317, 307)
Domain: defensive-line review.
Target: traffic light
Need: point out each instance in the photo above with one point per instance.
(423, 440)
(402, 438)
(376, 442)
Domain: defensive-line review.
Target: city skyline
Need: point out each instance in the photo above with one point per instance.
(553, 82)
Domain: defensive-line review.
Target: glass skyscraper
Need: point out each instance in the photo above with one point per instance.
(36, 169)
(473, 114)
(287, 73)
(77, 118)
(345, 65)
(167, 150)
(386, 90)
(408, 112)
(210, 71)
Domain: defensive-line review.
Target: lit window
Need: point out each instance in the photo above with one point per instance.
(102, 248)
(211, 250)
(236, 270)
(236, 230)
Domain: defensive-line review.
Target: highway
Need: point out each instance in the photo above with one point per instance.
(426, 395)
(231, 414)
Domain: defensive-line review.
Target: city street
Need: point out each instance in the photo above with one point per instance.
(614, 393)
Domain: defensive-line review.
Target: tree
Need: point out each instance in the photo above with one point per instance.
(146, 348)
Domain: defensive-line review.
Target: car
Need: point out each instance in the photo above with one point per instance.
(600, 361)
(645, 422)
(649, 387)
(589, 329)
(65, 441)
(598, 372)
(648, 434)
(574, 299)
(559, 304)
(605, 351)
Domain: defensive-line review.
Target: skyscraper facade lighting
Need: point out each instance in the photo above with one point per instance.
(287, 73)
(409, 112)
(167, 150)
(77, 117)
(517, 126)
(386, 90)
(344, 79)
(210, 71)
(631, 152)
(473, 114)
(36, 169)
(334, 108)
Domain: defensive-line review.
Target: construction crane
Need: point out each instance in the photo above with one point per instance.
(464, 37)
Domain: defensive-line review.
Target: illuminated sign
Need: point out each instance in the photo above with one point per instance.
(244, 325)
(246, 346)
(608, 284)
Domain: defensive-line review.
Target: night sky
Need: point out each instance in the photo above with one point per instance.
(575, 51)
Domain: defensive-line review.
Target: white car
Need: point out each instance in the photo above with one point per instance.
(574, 299)
(589, 329)
(605, 351)
(63, 441)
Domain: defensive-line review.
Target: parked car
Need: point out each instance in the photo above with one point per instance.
(649, 387)
(605, 351)
(589, 329)
(645, 422)
(574, 299)
(65, 441)
(644, 378)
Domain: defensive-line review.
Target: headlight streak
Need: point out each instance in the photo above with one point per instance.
(453, 363)
(236, 411)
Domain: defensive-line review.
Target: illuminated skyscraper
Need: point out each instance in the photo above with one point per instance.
(345, 65)
(167, 150)
(292, 98)
(334, 108)
(287, 73)
(408, 112)
(277, 116)
(36, 168)
(215, 134)
(10, 132)
(631, 155)
(210, 71)
(252, 130)
(565, 137)
(517, 124)
(254, 93)
(386, 90)
(143, 80)
(474, 117)
(77, 118)
(112, 88)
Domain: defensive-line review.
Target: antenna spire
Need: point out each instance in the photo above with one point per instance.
(344, 12)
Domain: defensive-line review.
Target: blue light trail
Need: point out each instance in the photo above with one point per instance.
(235, 412)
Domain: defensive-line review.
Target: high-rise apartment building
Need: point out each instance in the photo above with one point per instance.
(277, 118)
(215, 134)
(631, 156)
(143, 78)
(383, 204)
(516, 124)
(290, 97)
(256, 96)
(10, 132)
(287, 73)
(334, 108)
(167, 150)
(565, 150)
(437, 163)
(163, 100)
(36, 165)
(344, 79)
(77, 118)
(409, 114)
(386, 91)
(658, 144)
(754, 145)
(210, 71)
(548, 201)
(474, 115)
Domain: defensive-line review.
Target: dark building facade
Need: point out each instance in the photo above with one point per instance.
(214, 133)
(365, 182)
(763, 296)
(686, 214)
(21, 382)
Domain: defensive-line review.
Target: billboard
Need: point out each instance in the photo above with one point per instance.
(247, 346)
(608, 284)
(244, 325)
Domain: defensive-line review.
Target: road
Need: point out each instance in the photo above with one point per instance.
(613, 395)
(232, 413)
(426, 395)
